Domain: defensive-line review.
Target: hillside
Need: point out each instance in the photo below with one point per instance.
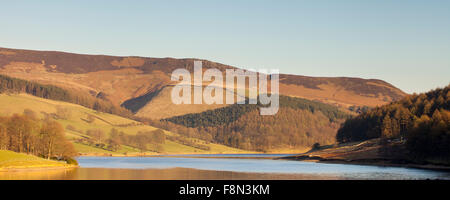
(298, 124)
(158, 105)
(78, 121)
(14, 161)
(312, 108)
(369, 152)
(136, 81)
(420, 122)
(340, 91)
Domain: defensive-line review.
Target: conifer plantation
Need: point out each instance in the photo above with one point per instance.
(299, 123)
(421, 120)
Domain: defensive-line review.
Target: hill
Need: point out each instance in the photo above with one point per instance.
(298, 124)
(135, 82)
(421, 122)
(82, 123)
(158, 105)
(340, 91)
(311, 111)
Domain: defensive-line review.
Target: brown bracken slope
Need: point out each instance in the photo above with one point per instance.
(135, 81)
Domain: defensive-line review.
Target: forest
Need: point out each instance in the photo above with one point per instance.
(25, 133)
(299, 123)
(288, 129)
(421, 120)
(233, 112)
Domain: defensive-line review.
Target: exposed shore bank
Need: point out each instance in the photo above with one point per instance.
(369, 152)
(36, 168)
(13, 161)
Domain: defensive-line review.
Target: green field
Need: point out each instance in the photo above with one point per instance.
(13, 160)
(78, 115)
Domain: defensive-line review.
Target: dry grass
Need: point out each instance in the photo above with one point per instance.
(16, 103)
(333, 95)
(161, 106)
(12, 160)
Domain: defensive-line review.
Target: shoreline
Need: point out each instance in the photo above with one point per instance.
(368, 162)
(177, 154)
(367, 153)
(36, 168)
(387, 164)
(379, 163)
(198, 156)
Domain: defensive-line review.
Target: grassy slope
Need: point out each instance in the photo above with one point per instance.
(16, 103)
(13, 160)
(368, 153)
(161, 106)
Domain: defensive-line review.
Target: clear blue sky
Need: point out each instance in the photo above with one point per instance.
(406, 43)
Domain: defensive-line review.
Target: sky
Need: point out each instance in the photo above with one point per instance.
(406, 43)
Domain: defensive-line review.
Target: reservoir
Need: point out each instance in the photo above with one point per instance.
(222, 167)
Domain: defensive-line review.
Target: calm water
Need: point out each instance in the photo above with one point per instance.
(232, 155)
(221, 168)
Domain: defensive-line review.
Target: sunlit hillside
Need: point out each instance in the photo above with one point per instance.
(13, 160)
(121, 79)
(77, 120)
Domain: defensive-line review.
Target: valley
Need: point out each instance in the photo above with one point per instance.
(121, 106)
(139, 89)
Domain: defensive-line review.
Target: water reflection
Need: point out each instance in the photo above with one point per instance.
(189, 168)
(152, 174)
(267, 167)
(54, 174)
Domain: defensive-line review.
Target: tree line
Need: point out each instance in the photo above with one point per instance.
(422, 120)
(25, 133)
(289, 128)
(233, 112)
